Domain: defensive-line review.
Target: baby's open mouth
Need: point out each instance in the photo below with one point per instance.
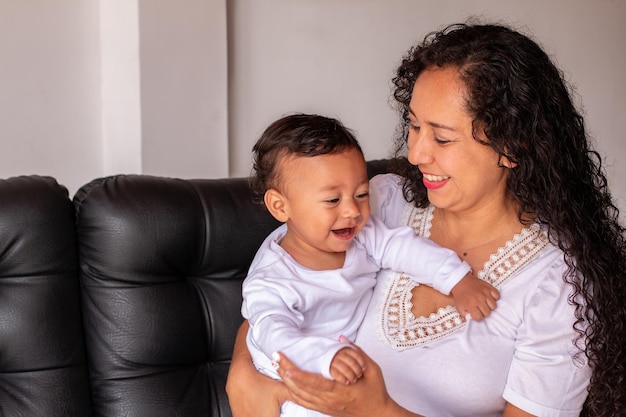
(345, 232)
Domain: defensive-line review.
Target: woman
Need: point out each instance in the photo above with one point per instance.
(500, 171)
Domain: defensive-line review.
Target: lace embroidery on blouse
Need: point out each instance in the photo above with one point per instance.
(400, 329)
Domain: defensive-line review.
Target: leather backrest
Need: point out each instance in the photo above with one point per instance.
(162, 261)
(161, 266)
(43, 370)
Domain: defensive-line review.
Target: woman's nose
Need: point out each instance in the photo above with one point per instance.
(418, 153)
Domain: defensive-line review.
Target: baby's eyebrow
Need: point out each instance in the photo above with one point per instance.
(328, 188)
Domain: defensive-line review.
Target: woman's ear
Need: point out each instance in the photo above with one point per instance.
(505, 162)
(277, 204)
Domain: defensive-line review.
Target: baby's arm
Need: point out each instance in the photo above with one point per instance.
(474, 296)
(275, 307)
(347, 366)
(399, 249)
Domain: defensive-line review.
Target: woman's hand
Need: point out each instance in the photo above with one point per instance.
(366, 397)
(250, 393)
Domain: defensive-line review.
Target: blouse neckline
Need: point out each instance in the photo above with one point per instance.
(400, 329)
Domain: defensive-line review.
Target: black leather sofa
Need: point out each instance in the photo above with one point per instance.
(43, 369)
(124, 301)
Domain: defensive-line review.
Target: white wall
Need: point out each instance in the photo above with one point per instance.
(90, 88)
(50, 89)
(120, 74)
(184, 87)
(98, 87)
(337, 58)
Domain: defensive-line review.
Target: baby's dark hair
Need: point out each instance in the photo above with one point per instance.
(299, 135)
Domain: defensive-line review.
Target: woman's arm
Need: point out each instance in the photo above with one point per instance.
(250, 393)
(512, 411)
(367, 397)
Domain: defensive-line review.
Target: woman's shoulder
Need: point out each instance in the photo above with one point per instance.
(534, 263)
(386, 180)
(387, 199)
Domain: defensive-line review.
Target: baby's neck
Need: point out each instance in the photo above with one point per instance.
(316, 260)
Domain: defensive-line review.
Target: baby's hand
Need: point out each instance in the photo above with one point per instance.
(347, 366)
(475, 297)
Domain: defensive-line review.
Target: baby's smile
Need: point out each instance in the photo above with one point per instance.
(345, 233)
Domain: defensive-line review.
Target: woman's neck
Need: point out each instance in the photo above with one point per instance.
(476, 234)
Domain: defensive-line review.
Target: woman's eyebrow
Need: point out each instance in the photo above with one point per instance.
(441, 126)
(435, 124)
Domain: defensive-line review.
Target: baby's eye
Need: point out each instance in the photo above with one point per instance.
(332, 200)
(362, 196)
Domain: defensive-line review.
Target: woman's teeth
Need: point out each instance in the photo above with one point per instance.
(434, 178)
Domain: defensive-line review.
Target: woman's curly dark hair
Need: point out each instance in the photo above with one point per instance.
(516, 93)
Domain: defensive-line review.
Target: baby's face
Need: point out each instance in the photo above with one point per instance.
(327, 198)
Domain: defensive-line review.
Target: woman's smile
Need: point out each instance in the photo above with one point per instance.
(432, 182)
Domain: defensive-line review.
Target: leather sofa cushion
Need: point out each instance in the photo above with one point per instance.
(43, 369)
(162, 261)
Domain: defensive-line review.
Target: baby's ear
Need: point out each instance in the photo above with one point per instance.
(277, 204)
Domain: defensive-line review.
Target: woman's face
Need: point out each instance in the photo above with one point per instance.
(460, 173)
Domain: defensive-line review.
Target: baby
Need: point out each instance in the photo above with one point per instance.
(311, 280)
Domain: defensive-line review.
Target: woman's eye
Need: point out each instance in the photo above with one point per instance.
(441, 141)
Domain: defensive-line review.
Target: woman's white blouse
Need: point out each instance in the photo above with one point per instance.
(523, 353)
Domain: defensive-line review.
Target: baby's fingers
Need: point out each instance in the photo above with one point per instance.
(495, 294)
(345, 374)
(354, 352)
(347, 366)
(477, 313)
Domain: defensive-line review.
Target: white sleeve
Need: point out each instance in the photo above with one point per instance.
(386, 200)
(547, 377)
(276, 324)
(401, 250)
